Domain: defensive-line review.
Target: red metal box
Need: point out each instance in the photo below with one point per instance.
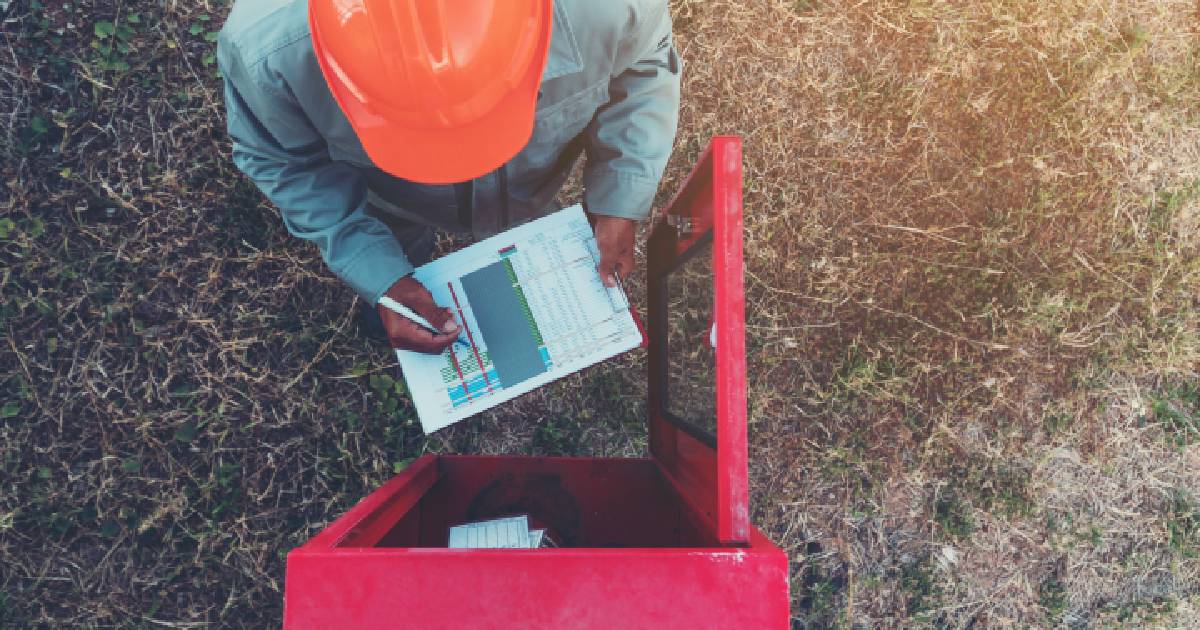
(657, 542)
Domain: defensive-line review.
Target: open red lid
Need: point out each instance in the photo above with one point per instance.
(697, 342)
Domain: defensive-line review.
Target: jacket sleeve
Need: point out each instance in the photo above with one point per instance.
(630, 138)
(322, 201)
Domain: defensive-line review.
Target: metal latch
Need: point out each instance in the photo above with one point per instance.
(682, 225)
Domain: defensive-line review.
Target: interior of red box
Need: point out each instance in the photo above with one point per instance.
(592, 503)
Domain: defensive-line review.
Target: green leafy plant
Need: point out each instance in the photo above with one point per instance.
(390, 395)
(201, 28)
(113, 43)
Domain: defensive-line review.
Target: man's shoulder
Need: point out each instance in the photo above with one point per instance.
(613, 31)
(256, 28)
(613, 14)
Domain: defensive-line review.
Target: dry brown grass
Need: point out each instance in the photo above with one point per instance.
(972, 263)
(973, 250)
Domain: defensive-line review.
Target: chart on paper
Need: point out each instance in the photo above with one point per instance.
(533, 309)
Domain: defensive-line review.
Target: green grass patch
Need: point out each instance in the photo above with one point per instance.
(990, 484)
(1177, 410)
(1142, 613)
(953, 515)
(1183, 523)
(818, 589)
(1052, 595)
(921, 592)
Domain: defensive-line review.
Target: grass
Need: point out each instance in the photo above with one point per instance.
(1177, 409)
(1183, 524)
(1052, 595)
(972, 273)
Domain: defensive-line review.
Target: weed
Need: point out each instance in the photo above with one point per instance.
(953, 515)
(917, 583)
(114, 43)
(555, 436)
(989, 484)
(202, 27)
(1006, 491)
(1177, 410)
(818, 589)
(1052, 595)
(1183, 523)
(1166, 205)
(1094, 536)
(1140, 613)
(1055, 421)
(391, 396)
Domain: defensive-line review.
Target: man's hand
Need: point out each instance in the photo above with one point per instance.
(408, 335)
(614, 236)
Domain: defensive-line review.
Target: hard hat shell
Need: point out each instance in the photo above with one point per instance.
(438, 91)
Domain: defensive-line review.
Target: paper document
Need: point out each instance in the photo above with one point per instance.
(502, 533)
(534, 310)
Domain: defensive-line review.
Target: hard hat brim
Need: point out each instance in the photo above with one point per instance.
(443, 155)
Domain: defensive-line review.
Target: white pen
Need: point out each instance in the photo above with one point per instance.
(621, 287)
(413, 317)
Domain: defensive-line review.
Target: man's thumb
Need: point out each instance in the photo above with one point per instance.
(434, 314)
(450, 325)
(607, 269)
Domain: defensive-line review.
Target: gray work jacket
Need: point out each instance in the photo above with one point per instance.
(610, 90)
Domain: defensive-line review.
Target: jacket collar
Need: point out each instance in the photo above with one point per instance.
(563, 57)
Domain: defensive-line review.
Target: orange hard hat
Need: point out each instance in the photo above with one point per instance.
(438, 91)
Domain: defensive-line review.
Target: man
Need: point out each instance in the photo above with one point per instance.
(371, 122)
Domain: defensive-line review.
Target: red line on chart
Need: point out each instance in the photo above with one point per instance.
(462, 318)
(462, 378)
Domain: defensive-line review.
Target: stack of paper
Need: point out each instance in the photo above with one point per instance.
(501, 533)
